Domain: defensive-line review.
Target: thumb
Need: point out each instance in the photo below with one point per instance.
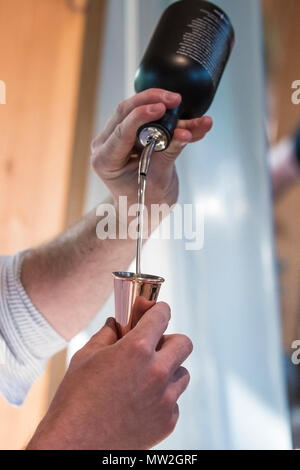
(107, 335)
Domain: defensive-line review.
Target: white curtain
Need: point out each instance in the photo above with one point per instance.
(225, 295)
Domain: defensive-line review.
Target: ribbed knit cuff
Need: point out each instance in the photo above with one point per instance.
(26, 337)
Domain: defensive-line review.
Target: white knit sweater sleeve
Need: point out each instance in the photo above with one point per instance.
(26, 338)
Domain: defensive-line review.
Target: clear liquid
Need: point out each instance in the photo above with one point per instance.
(142, 175)
(141, 205)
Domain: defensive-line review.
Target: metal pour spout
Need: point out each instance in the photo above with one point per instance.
(148, 132)
(146, 155)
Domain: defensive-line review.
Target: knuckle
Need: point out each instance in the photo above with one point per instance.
(96, 158)
(118, 131)
(153, 93)
(121, 108)
(160, 373)
(78, 357)
(171, 424)
(186, 343)
(142, 348)
(96, 142)
(168, 400)
(138, 113)
(164, 309)
(184, 382)
(186, 375)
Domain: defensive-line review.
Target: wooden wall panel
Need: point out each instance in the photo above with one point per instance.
(282, 20)
(40, 59)
(41, 49)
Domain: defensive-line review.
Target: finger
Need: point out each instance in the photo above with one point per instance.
(141, 305)
(152, 325)
(174, 350)
(175, 415)
(176, 411)
(106, 336)
(198, 127)
(191, 123)
(179, 382)
(181, 138)
(188, 132)
(151, 96)
(115, 152)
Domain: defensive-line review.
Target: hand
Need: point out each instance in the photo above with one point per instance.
(119, 394)
(115, 157)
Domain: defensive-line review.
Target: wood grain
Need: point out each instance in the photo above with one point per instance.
(40, 62)
(281, 20)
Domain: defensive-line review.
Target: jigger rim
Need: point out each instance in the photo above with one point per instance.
(150, 278)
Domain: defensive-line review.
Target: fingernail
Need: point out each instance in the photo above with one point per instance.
(154, 108)
(110, 321)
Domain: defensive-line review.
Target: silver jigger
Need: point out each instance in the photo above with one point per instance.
(134, 295)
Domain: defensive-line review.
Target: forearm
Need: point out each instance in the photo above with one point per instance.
(69, 279)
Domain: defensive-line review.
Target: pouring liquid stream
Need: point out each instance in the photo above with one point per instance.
(141, 205)
(142, 180)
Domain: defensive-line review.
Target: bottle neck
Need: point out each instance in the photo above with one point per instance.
(151, 132)
(161, 130)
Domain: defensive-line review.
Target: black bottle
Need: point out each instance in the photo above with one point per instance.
(187, 54)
